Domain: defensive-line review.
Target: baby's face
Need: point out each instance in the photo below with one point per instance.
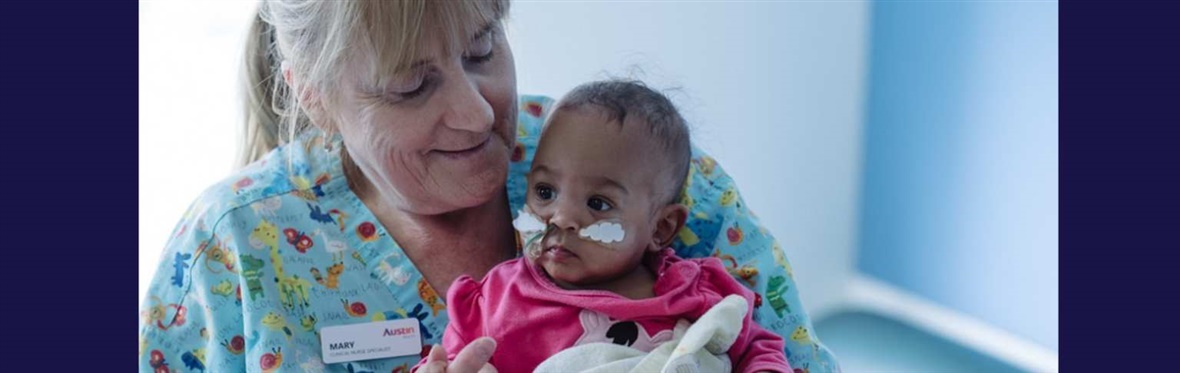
(587, 170)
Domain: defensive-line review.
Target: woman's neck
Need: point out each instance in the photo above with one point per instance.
(445, 246)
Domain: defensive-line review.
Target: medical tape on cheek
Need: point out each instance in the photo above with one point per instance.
(533, 230)
(606, 232)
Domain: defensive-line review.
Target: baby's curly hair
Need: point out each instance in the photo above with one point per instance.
(620, 98)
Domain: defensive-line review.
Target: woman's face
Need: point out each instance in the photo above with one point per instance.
(436, 138)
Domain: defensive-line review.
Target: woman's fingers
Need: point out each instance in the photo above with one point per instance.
(474, 357)
(433, 367)
(436, 361)
(437, 353)
(487, 368)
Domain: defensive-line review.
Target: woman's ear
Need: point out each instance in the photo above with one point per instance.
(309, 100)
(669, 221)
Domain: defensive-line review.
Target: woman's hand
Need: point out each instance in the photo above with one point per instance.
(472, 359)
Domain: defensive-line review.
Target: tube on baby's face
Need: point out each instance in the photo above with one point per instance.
(532, 229)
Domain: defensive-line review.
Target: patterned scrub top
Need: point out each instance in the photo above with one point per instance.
(263, 260)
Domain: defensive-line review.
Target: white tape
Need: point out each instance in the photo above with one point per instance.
(604, 231)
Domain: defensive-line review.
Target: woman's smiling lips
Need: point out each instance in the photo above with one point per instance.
(465, 153)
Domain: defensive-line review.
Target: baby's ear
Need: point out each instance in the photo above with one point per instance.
(669, 221)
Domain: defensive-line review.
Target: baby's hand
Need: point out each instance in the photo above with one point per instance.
(472, 359)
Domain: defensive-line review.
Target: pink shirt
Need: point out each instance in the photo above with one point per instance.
(531, 318)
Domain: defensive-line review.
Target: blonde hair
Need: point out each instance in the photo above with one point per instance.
(316, 38)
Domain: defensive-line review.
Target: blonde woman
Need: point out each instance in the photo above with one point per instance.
(385, 156)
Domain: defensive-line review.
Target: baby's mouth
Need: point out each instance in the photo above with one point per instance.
(559, 251)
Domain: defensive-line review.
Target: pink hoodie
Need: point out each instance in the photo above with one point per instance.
(531, 318)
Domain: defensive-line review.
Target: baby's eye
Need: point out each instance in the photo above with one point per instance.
(598, 204)
(544, 192)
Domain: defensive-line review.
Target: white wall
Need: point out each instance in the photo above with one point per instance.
(773, 91)
(189, 54)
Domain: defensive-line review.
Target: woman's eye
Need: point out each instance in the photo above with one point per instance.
(598, 204)
(414, 93)
(545, 193)
(407, 88)
(481, 50)
(480, 58)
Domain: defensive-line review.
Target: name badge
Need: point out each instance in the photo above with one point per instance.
(375, 340)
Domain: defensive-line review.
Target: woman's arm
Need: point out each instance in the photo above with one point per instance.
(721, 225)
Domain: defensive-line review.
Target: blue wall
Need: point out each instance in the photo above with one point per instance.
(959, 197)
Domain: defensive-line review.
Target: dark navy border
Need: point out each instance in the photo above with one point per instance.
(68, 94)
(1120, 96)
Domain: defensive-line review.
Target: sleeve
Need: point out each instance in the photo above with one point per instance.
(189, 318)
(755, 349)
(464, 308)
(721, 225)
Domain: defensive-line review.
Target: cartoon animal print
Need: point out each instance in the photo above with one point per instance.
(334, 272)
(158, 312)
(194, 360)
(306, 190)
(352, 369)
(333, 216)
(599, 328)
(775, 289)
(357, 255)
(308, 324)
(264, 236)
(734, 234)
(392, 275)
(157, 362)
(745, 272)
(728, 197)
(298, 239)
(235, 345)
(334, 247)
(430, 297)
(223, 288)
(706, 164)
(275, 322)
(801, 336)
(694, 245)
(252, 272)
(781, 258)
(356, 309)
(292, 289)
(271, 361)
(268, 207)
(179, 265)
(217, 256)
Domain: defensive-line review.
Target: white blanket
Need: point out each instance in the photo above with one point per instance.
(695, 347)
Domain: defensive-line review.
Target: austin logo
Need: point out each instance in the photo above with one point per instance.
(397, 331)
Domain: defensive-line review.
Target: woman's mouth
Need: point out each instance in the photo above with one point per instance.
(464, 153)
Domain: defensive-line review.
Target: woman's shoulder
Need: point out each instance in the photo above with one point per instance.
(300, 170)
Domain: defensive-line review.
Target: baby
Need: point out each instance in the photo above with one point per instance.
(598, 279)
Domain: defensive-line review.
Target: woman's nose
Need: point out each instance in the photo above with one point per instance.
(467, 109)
